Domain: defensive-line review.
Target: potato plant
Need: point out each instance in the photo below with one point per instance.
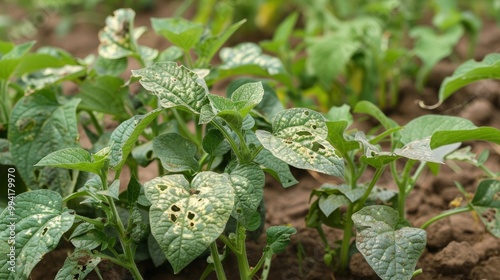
(212, 153)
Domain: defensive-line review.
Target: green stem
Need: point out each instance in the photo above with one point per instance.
(229, 139)
(346, 241)
(266, 269)
(114, 260)
(208, 270)
(124, 241)
(402, 188)
(95, 122)
(415, 176)
(446, 214)
(229, 244)
(374, 180)
(257, 267)
(219, 270)
(243, 265)
(89, 220)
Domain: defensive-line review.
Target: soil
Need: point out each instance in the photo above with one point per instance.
(458, 247)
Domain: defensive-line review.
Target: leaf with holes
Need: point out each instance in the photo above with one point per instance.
(40, 124)
(125, 135)
(39, 225)
(486, 203)
(119, 37)
(248, 183)
(391, 251)
(176, 153)
(299, 139)
(175, 85)
(188, 217)
(78, 265)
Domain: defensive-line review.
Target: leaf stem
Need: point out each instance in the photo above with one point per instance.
(184, 130)
(229, 139)
(257, 267)
(229, 244)
(219, 270)
(90, 221)
(446, 214)
(243, 266)
(266, 269)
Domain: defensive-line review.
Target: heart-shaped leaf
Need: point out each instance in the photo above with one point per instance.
(392, 252)
(176, 153)
(37, 224)
(175, 85)
(299, 139)
(188, 217)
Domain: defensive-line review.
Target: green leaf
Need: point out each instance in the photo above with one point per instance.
(176, 153)
(486, 203)
(40, 124)
(248, 183)
(441, 138)
(133, 190)
(277, 238)
(105, 94)
(341, 113)
(247, 96)
(469, 72)
(215, 144)
(125, 135)
(74, 158)
(330, 203)
(427, 125)
(175, 85)
(179, 31)
(281, 35)
(336, 131)
(188, 217)
(392, 252)
(329, 55)
(270, 104)
(111, 67)
(431, 47)
(209, 46)
(11, 60)
(369, 108)
(247, 58)
(78, 265)
(51, 76)
(40, 221)
(171, 53)
(299, 139)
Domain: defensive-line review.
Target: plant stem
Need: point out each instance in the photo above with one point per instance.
(266, 269)
(219, 270)
(374, 180)
(229, 139)
(257, 267)
(243, 266)
(184, 130)
(446, 214)
(4, 118)
(89, 220)
(229, 244)
(346, 241)
(124, 241)
(402, 188)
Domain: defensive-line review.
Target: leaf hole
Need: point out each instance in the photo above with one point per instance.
(162, 187)
(84, 267)
(238, 211)
(306, 113)
(191, 224)
(316, 146)
(303, 133)
(45, 231)
(173, 218)
(190, 215)
(76, 276)
(314, 126)
(175, 208)
(149, 155)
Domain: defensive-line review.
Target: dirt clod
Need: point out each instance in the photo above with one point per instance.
(456, 257)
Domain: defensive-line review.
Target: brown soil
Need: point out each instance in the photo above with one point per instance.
(458, 247)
